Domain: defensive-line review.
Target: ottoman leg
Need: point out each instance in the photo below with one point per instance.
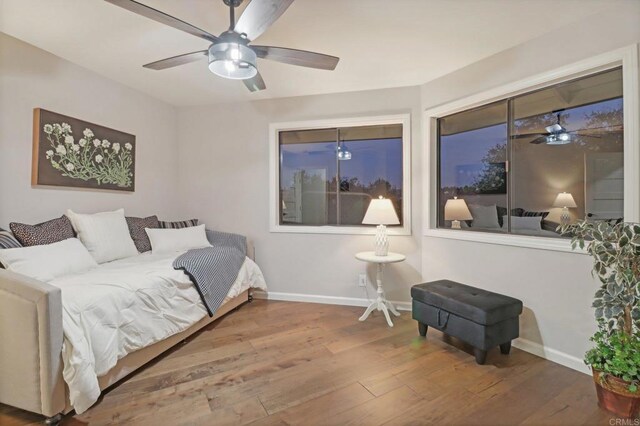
(422, 329)
(505, 348)
(481, 356)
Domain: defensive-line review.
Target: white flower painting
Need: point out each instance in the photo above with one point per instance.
(96, 158)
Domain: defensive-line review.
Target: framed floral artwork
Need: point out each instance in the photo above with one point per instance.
(75, 153)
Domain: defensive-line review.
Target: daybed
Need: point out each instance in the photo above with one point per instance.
(31, 326)
(492, 218)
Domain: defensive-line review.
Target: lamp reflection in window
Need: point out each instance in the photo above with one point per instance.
(456, 210)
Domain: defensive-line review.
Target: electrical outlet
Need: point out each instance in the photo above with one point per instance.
(362, 280)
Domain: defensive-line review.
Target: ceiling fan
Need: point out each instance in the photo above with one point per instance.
(556, 133)
(230, 55)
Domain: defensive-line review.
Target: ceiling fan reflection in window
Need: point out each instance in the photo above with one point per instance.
(230, 54)
(557, 134)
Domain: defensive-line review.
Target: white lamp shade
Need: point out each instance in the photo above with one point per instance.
(456, 209)
(381, 212)
(565, 199)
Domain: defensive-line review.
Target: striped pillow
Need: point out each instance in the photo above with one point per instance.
(535, 214)
(7, 240)
(178, 225)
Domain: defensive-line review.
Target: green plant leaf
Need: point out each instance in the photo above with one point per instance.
(623, 241)
(599, 313)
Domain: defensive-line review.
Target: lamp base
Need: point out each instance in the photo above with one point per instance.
(565, 217)
(455, 224)
(381, 241)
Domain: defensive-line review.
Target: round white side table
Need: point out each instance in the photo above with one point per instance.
(381, 304)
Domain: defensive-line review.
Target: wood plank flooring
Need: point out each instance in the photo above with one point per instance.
(283, 363)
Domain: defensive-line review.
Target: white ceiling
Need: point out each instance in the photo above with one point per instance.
(381, 43)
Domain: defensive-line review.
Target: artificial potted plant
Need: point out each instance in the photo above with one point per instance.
(615, 359)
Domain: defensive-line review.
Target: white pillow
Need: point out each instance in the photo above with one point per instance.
(524, 223)
(49, 261)
(484, 216)
(106, 235)
(165, 241)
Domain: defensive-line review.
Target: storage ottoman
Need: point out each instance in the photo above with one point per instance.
(479, 317)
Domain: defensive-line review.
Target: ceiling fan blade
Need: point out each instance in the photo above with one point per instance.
(302, 58)
(174, 61)
(538, 141)
(255, 84)
(163, 18)
(527, 135)
(259, 15)
(598, 131)
(585, 135)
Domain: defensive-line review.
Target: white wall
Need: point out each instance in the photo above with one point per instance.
(30, 78)
(224, 174)
(556, 288)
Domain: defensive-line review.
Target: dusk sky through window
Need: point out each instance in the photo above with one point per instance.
(371, 160)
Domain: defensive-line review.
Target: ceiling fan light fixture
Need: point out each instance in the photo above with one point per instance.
(343, 153)
(232, 60)
(558, 139)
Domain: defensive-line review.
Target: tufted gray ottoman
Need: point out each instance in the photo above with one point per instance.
(481, 318)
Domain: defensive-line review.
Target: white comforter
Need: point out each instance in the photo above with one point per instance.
(122, 306)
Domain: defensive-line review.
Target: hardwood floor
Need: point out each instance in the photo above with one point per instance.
(279, 363)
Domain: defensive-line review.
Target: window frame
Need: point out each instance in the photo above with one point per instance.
(626, 57)
(274, 173)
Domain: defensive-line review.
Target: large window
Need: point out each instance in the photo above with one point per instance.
(328, 175)
(528, 163)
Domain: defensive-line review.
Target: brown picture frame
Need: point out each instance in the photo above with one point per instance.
(74, 153)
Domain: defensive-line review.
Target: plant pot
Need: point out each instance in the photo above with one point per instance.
(614, 396)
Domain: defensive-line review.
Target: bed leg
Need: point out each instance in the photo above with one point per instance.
(250, 297)
(53, 420)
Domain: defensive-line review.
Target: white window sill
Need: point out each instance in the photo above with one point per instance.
(524, 241)
(345, 230)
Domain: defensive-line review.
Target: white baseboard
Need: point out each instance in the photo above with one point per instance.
(554, 355)
(328, 300)
(550, 354)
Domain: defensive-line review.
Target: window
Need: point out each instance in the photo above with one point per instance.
(526, 164)
(327, 174)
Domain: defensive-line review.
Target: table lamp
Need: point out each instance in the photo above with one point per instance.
(566, 201)
(456, 210)
(381, 212)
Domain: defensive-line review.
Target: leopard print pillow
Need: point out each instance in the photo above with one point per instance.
(138, 234)
(43, 233)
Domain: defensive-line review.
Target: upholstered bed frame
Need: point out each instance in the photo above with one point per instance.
(31, 345)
